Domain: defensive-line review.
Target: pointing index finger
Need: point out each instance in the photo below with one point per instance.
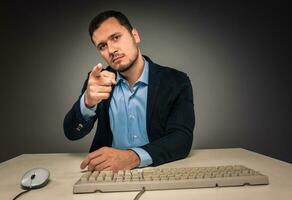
(96, 70)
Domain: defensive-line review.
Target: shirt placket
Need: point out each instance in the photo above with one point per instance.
(132, 118)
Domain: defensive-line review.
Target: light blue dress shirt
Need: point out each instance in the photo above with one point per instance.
(127, 114)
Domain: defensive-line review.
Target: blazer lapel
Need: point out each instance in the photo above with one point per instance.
(153, 85)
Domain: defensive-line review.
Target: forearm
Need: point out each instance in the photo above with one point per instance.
(175, 145)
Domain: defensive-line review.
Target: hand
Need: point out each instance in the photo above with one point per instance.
(107, 158)
(99, 85)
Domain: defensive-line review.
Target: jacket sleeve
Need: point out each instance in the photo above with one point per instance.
(75, 126)
(177, 138)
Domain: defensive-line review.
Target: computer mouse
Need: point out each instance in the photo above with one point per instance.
(35, 178)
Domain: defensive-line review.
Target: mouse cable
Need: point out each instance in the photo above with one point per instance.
(140, 193)
(21, 193)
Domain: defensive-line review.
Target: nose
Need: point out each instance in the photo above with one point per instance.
(111, 48)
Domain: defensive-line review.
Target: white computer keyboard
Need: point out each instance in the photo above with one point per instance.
(168, 178)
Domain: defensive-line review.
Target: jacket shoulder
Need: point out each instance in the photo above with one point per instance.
(172, 75)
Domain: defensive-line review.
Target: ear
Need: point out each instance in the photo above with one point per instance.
(136, 35)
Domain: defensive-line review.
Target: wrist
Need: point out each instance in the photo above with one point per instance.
(87, 104)
(134, 158)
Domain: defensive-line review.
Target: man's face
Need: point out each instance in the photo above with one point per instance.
(117, 46)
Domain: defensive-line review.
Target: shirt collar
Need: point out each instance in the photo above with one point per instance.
(143, 78)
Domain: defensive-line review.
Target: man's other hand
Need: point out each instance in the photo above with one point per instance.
(107, 158)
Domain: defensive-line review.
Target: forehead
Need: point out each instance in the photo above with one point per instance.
(107, 28)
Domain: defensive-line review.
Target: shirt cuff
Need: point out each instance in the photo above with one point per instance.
(145, 158)
(87, 113)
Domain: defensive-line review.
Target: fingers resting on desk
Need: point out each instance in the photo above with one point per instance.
(107, 158)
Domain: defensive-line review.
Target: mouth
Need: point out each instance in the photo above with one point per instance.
(115, 59)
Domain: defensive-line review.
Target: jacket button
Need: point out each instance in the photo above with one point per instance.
(79, 127)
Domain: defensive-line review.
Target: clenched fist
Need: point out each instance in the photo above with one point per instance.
(99, 86)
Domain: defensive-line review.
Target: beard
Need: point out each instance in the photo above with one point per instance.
(126, 67)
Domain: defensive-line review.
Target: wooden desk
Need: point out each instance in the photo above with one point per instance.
(64, 169)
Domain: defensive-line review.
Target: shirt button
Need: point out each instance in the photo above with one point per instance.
(135, 136)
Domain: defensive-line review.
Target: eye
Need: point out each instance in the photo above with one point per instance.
(102, 47)
(116, 37)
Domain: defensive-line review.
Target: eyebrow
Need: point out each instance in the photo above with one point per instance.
(109, 37)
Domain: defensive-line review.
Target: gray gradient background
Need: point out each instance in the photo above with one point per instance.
(237, 55)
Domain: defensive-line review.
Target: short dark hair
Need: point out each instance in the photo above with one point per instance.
(101, 17)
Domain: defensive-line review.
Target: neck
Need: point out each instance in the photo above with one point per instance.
(133, 74)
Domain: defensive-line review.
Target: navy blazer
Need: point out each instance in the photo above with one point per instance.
(170, 117)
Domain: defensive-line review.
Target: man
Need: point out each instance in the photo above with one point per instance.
(145, 112)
